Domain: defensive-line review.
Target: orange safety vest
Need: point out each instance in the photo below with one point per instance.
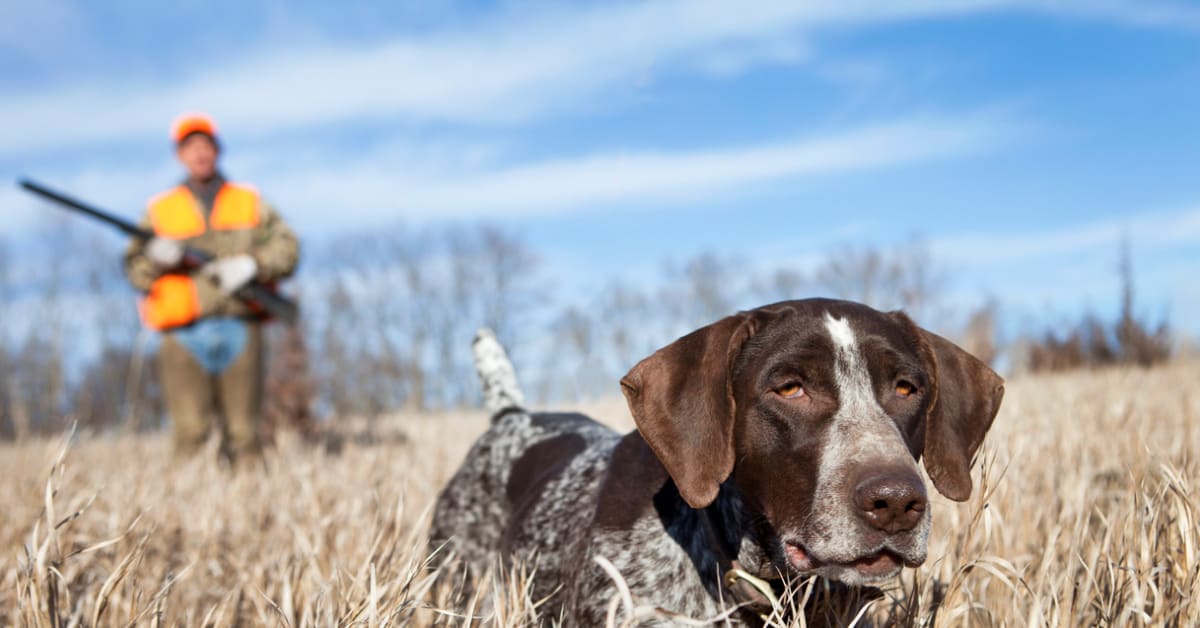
(173, 300)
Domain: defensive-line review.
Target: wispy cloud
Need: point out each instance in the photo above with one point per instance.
(444, 180)
(628, 178)
(35, 30)
(1182, 16)
(507, 69)
(1144, 229)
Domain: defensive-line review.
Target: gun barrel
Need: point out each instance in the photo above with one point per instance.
(79, 206)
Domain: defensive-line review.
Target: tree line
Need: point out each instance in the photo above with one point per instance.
(388, 317)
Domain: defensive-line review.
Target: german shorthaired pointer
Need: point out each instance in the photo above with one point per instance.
(780, 441)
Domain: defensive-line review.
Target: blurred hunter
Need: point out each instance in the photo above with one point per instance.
(211, 359)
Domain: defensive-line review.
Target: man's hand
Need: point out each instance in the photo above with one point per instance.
(164, 252)
(231, 272)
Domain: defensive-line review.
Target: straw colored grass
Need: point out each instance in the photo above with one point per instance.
(1085, 513)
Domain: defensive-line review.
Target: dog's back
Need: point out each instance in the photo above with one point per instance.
(527, 483)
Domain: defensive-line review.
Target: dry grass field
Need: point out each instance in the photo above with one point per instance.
(1086, 514)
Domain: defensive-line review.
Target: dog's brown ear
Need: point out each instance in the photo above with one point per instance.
(682, 400)
(966, 397)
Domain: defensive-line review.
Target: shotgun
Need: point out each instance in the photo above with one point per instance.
(252, 294)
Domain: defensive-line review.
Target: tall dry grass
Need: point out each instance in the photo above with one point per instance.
(1085, 513)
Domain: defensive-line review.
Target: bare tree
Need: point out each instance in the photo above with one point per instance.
(1090, 343)
(781, 284)
(401, 307)
(574, 360)
(631, 327)
(505, 279)
(917, 280)
(1139, 344)
(979, 336)
(856, 274)
(700, 290)
(11, 426)
(38, 397)
(905, 277)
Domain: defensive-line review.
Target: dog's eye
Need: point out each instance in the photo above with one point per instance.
(790, 391)
(904, 389)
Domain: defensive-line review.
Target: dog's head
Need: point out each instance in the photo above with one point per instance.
(818, 411)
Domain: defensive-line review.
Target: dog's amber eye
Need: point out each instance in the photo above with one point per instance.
(790, 391)
(904, 389)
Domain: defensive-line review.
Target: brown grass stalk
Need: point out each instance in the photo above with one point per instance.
(1085, 513)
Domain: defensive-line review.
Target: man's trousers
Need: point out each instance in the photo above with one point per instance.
(197, 399)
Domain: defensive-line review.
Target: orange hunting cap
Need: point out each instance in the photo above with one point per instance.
(193, 122)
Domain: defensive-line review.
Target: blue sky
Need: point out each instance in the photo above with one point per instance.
(1019, 138)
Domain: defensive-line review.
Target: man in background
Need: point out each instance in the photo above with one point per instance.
(211, 360)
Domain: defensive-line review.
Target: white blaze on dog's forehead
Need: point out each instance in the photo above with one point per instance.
(839, 330)
(849, 369)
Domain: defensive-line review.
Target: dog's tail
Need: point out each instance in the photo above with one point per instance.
(496, 374)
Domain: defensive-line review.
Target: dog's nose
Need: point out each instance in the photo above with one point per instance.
(891, 501)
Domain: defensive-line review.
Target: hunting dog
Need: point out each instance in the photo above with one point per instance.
(778, 442)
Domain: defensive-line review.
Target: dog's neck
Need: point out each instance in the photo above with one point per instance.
(717, 539)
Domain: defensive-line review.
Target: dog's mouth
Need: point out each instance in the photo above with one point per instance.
(871, 567)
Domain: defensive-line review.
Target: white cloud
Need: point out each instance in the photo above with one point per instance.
(737, 57)
(511, 68)
(1146, 14)
(382, 191)
(36, 30)
(1146, 229)
(425, 181)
